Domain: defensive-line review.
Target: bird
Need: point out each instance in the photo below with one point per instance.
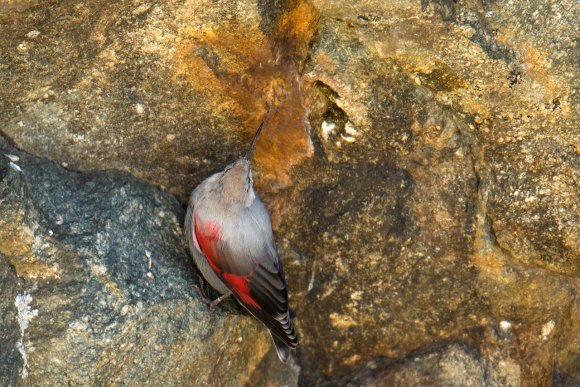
(229, 233)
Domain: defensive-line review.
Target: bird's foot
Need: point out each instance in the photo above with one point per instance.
(202, 291)
(214, 303)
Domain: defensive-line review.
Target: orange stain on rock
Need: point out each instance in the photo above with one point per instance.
(16, 245)
(241, 72)
(295, 30)
(537, 66)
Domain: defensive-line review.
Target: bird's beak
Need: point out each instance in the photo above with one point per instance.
(249, 153)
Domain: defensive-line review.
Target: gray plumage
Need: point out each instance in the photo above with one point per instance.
(229, 234)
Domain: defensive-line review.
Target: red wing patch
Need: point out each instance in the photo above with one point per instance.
(206, 242)
(239, 284)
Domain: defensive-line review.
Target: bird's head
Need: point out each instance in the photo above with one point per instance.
(237, 184)
(237, 180)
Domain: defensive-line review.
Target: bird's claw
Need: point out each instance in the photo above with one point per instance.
(203, 293)
(215, 302)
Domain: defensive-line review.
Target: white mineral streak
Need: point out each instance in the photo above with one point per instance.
(547, 329)
(327, 129)
(505, 325)
(25, 315)
(14, 166)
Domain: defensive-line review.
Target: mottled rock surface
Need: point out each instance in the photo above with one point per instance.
(421, 169)
(147, 90)
(11, 361)
(417, 219)
(82, 300)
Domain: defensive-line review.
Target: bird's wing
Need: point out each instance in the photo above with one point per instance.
(244, 257)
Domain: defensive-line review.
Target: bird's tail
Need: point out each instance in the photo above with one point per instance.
(282, 349)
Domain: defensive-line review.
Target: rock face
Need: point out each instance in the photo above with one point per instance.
(160, 80)
(98, 288)
(420, 161)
